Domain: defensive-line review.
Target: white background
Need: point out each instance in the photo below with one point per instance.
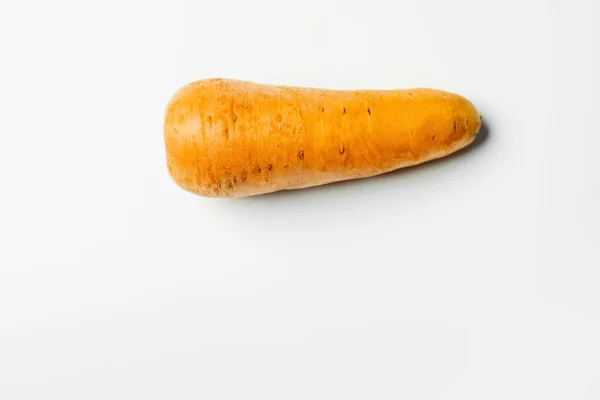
(475, 277)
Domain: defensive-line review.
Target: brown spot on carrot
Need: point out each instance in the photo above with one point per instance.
(344, 111)
(235, 179)
(270, 167)
(322, 109)
(454, 126)
(258, 169)
(342, 150)
(287, 166)
(227, 133)
(229, 185)
(301, 155)
(433, 137)
(369, 111)
(279, 118)
(234, 118)
(209, 119)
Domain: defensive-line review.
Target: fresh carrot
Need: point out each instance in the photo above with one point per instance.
(231, 138)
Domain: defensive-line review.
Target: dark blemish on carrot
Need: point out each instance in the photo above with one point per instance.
(342, 150)
(454, 126)
(258, 169)
(301, 155)
(227, 133)
(229, 185)
(209, 119)
(287, 166)
(234, 118)
(235, 179)
(322, 109)
(278, 117)
(270, 167)
(344, 111)
(369, 111)
(410, 95)
(433, 137)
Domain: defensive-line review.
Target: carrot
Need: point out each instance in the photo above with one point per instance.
(231, 138)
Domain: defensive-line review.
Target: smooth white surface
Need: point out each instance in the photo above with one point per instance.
(472, 278)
